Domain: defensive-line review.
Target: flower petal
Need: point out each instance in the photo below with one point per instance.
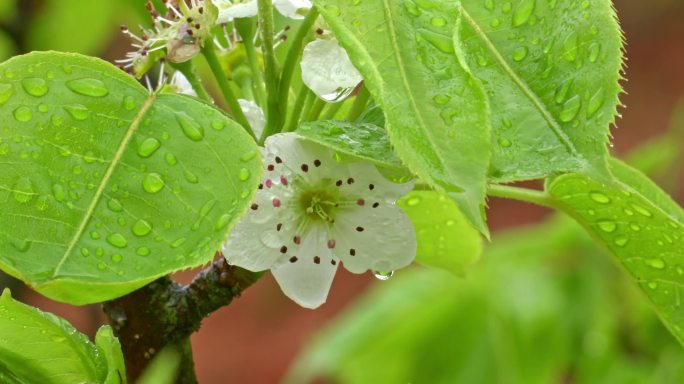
(255, 116)
(374, 236)
(289, 8)
(328, 71)
(310, 161)
(255, 243)
(181, 84)
(306, 278)
(364, 181)
(229, 10)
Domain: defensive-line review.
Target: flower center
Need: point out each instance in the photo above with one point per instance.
(319, 204)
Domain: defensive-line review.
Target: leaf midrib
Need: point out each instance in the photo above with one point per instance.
(132, 129)
(553, 124)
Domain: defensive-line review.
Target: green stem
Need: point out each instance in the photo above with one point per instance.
(315, 110)
(213, 61)
(522, 194)
(331, 111)
(303, 97)
(260, 89)
(273, 116)
(188, 70)
(360, 103)
(293, 58)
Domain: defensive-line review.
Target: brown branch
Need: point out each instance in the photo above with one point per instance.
(164, 313)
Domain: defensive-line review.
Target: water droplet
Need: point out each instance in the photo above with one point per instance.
(562, 91)
(595, 103)
(384, 276)
(607, 226)
(23, 190)
(248, 156)
(441, 99)
(114, 205)
(571, 109)
(599, 197)
(85, 252)
(520, 53)
(523, 12)
(129, 103)
(101, 266)
(641, 210)
(217, 125)
(635, 227)
(507, 6)
(191, 129)
(148, 147)
(504, 142)
(244, 174)
(118, 240)
(412, 202)
(142, 228)
(412, 8)
(438, 21)
(656, 263)
(143, 251)
(621, 241)
(35, 86)
(441, 42)
(178, 242)
(153, 183)
(88, 87)
(77, 111)
(117, 258)
(170, 159)
(6, 91)
(23, 114)
(594, 50)
(222, 221)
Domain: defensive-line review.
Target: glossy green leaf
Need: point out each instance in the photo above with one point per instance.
(362, 140)
(105, 187)
(640, 225)
(408, 63)
(445, 238)
(551, 70)
(38, 347)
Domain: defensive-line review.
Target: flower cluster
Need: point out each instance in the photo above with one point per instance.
(176, 36)
(312, 212)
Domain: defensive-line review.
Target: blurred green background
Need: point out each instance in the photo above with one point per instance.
(544, 304)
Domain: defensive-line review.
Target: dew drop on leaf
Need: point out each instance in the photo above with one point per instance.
(23, 114)
(23, 190)
(117, 240)
(142, 228)
(88, 87)
(599, 197)
(6, 91)
(190, 128)
(35, 86)
(148, 147)
(77, 111)
(153, 183)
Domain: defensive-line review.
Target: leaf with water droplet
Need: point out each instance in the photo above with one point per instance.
(102, 184)
(444, 236)
(406, 63)
(42, 336)
(540, 87)
(640, 225)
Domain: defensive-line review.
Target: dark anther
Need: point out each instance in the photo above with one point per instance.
(255, 206)
(317, 260)
(352, 252)
(317, 163)
(359, 229)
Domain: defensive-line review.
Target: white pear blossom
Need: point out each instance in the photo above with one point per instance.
(313, 212)
(180, 84)
(254, 114)
(235, 9)
(328, 71)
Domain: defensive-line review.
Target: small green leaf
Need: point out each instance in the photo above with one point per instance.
(38, 347)
(408, 64)
(105, 187)
(110, 350)
(551, 70)
(362, 140)
(640, 225)
(445, 238)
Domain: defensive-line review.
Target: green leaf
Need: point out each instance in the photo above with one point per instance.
(408, 64)
(640, 225)
(110, 350)
(551, 70)
(163, 369)
(362, 140)
(38, 347)
(445, 238)
(105, 187)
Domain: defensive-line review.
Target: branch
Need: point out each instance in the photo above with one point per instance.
(164, 313)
